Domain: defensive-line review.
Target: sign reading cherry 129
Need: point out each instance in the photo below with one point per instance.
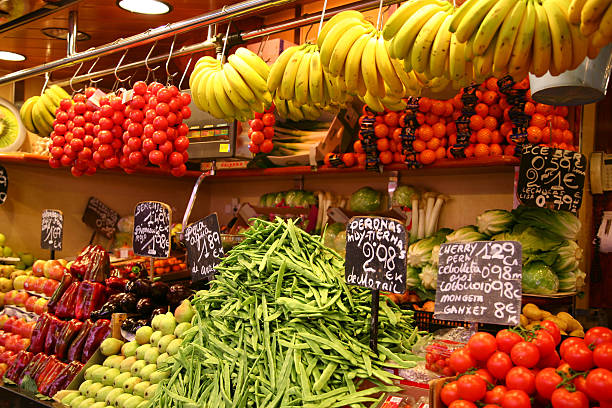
(376, 254)
(152, 229)
(480, 282)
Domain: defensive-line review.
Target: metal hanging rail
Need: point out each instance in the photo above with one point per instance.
(218, 16)
(363, 5)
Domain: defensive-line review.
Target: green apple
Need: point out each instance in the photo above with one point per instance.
(68, 398)
(127, 364)
(84, 386)
(184, 312)
(118, 383)
(7, 252)
(137, 367)
(110, 346)
(151, 355)
(158, 375)
(90, 370)
(133, 402)
(98, 374)
(164, 341)
(167, 324)
(128, 385)
(110, 375)
(99, 404)
(146, 372)
(113, 361)
(103, 392)
(86, 403)
(143, 335)
(174, 346)
(181, 328)
(141, 350)
(129, 348)
(76, 401)
(150, 392)
(140, 388)
(154, 339)
(144, 404)
(2, 239)
(121, 399)
(162, 358)
(112, 396)
(93, 389)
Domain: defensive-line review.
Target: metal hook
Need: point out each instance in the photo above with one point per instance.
(229, 23)
(168, 75)
(47, 76)
(91, 80)
(185, 72)
(72, 79)
(149, 69)
(117, 67)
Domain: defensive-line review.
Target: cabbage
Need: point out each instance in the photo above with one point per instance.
(263, 200)
(435, 255)
(420, 253)
(569, 256)
(493, 222)
(466, 234)
(365, 200)
(572, 281)
(539, 279)
(293, 198)
(412, 277)
(403, 196)
(277, 199)
(429, 276)
(560, 223)
(537, 244)
(309, 199)
(329, 236)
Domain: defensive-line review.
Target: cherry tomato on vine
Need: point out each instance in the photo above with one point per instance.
(602, 356)
(496, 395)
(481, 345)
(525, 354)
(506, 339)
(471, 387)
(553, 329)
(598, 335)
(499, 364)
(516, 399)
(521, 378)
(599, 384)
(546, 382)
(449, 393)
(579, 357)
(460, 360)
(562, 398)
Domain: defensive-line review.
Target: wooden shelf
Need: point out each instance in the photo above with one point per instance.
(471, 165)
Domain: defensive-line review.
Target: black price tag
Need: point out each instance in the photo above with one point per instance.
(152, 229)
(52, 230)
(204, 247)
(480, 282)
(551, 178)
(101, 218)
(3, 184)
(376, 254)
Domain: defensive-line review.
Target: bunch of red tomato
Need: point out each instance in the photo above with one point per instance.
(261, 131)
(521, 370)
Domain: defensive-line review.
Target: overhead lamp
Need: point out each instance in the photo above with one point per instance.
(62, 33)
(145, 6)
(11, 56)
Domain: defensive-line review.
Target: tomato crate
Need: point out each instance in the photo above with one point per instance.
(426, 321)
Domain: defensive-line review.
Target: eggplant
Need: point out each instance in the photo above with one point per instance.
(142, 288)
(159, 310)
(159, 290)
(105, 312)
(115, 298)
(128, 324)
(139, 323)
(177, 293)
(128, 303)
(130, 287)
(144, 306)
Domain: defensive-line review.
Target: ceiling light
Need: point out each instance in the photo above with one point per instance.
(62, 33)
(145, 6)
(11, 56)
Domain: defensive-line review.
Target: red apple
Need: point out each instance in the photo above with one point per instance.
(30, 303)
(56, 271)
(9, 298)
(9, 324)
(3, 319)
(40, 306)
(63, 262)
(29, 283)
(22, 343)
(17, 325)
(12, 342)
(38, 268)
(50, 286)
(39, 284)
(6, 357)
(28, 328)
(48, 265)
(20, 298)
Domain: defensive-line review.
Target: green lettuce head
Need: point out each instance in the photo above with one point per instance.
(539, 279)
(366, 199)
(563, 224)
(493, 222)
(429, 276)
(412, 277)
(466, 234)
(403, 196)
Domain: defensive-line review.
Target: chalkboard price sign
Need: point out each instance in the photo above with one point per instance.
(52, 230)
(152, 229)
(100, 217)
(204, 247)
(3, 184)
(480, 282)
(551, 178)
(376, 254)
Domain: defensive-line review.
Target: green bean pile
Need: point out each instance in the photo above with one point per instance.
(280, 328)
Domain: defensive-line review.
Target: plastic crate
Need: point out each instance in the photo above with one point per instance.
(426, 321)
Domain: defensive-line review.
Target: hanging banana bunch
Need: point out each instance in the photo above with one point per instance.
(595, 20)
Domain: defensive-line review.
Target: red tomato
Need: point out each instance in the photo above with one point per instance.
(598, 335)
(551, 360)
(499, 364)
(545, 343)
(268, 119)
(553, 329)
(496, 395)
(521, 378)
(579, 357)
(599, 384)
(569, 342)
(449, 393)
(460, 360)
(562, 398)
(257, 124)
(525, 354)
(516, 399)
(481, 345)
(580, 384)
(462, 404)
(602, 356)
(485, 375)
(471, 387)
(491, 406)
(506, 339)
(546, 382)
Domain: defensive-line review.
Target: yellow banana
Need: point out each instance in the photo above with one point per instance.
(204, 62)
(385, 68)
(342, 47)
(440, 48)
(368, 68)
(334, 35)
(507, 36)
(574, 11)
(401, 44)
(460, 13)
(213, 104)
(521, 50)
(40, 118)
(348, 14)
(421, 50)
(473, 18)
(490, 24)
(250, 76)
(593, 10)
(239, 102)
(277, 70)
(59, 91)
(542, 43)
(26, 113)
(456, 59)
(605, 25)
(295, 113)
(373, 102)
(224, 102)
(352, 67)
(315, 75)
(580, 43)
(202, 86)
(399, 16)
(238, 84)
(287, 86)
(301, 80)
(560, 34)
(48, 104)
(483, 64)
